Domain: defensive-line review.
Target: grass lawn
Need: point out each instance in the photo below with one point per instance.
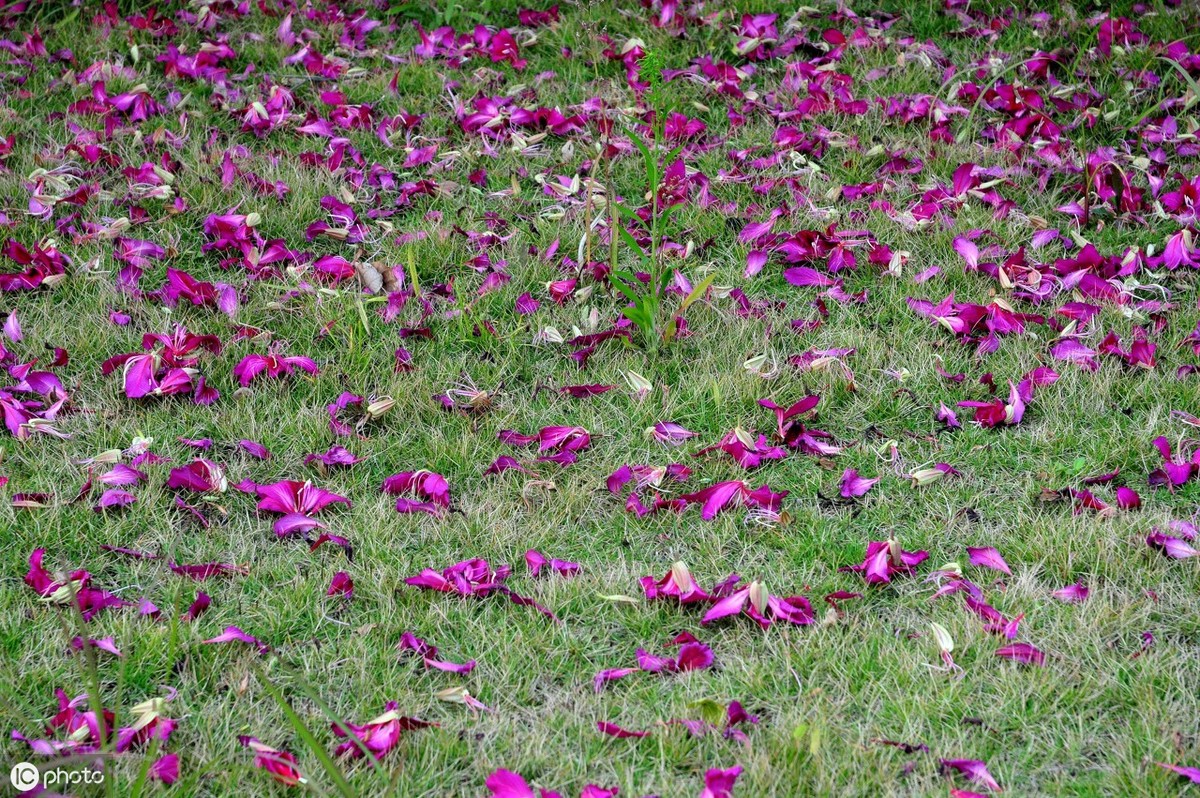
(391, 228)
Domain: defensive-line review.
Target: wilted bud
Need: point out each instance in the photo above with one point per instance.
(107, 457)
(148, 711)
(640, 386)
(64, 593)
(926, 476)
(895, 552)
(951, 568)
(459, 695)
(378, 407)
(758, 597)
(680, 574)
(942, 636)
(745, 437)
(755, 363)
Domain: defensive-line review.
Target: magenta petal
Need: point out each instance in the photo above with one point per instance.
(1172, 547)
(1072, 594)
(1128, 499)
(719, 783)
(451, 667)
(255, 449)
(731, 605)
(1188, 773)
(613, 730)
(506, 784)
(504, 463)
(296, 523)
(233, 634)
(1024, 653)
(988, 557)
(974, 769)
(114, 497)
(854, 486)
(611, 675)
(534, 560)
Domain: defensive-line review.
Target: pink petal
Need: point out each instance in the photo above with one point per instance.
(988, 557)
(613, 730)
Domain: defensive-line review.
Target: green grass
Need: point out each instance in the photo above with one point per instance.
(1088, 724)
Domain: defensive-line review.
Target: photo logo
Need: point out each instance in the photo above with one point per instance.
(24, 776)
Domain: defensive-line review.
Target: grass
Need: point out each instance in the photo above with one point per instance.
(1090, 723)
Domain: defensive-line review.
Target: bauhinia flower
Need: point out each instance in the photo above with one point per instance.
(280, 764)
(150, 722)
(885, 559)
(853, 486)
(272, 365)
(670, 433)
(974, 770)
(507, 784)
(693, 655)
(535, 560)
(794, 433)
(432, 488)
(719, 783)
(564, 442)
(1173, 473)
(76, 585)
(80, 726)
(378, 736)
(678, 583)
(762, 607)
(167, 367)
(428, 654)
(945, 645)
(1172, 547)
(927, 476)
(199, 476)
(296, 502)
(723, 495)
(476, 578)
(746, 450)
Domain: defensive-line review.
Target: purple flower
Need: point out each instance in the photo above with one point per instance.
(853, 486)
(763, 608)
(427, 485)
(885, 559)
